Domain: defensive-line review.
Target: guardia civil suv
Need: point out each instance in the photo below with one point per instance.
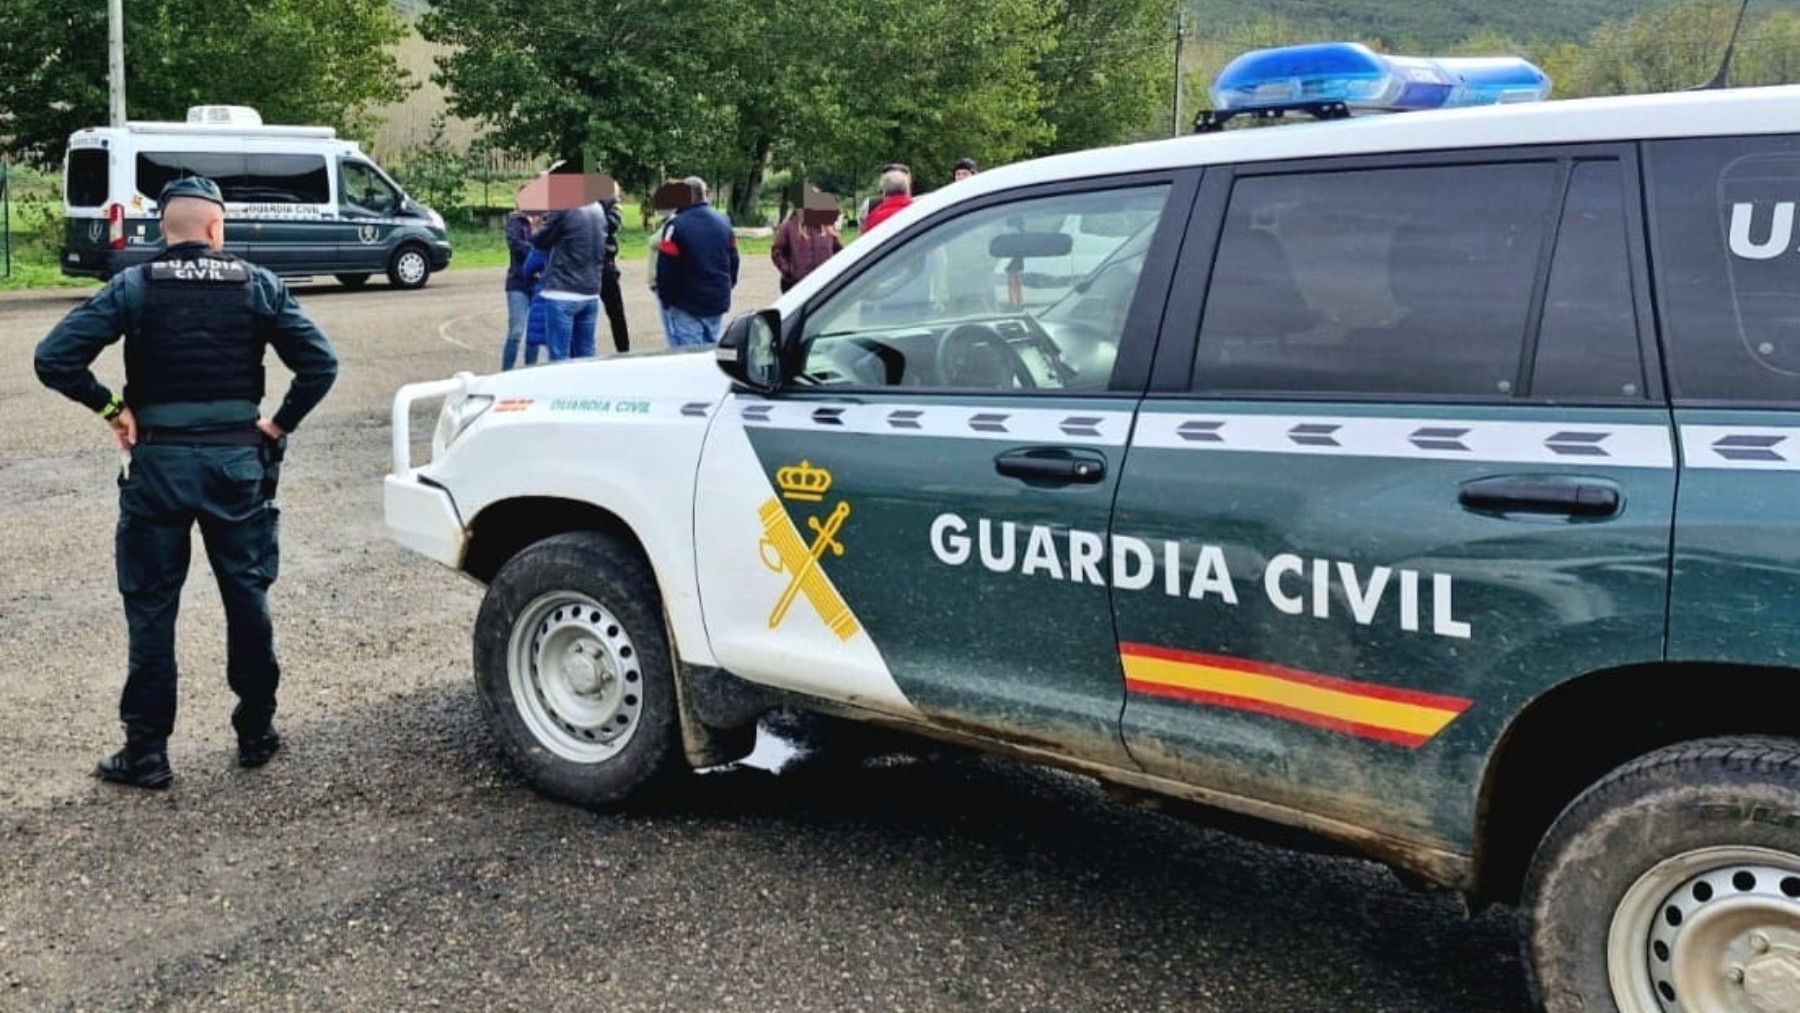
(1427, 481)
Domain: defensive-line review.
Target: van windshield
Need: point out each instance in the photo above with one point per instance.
(87, 183)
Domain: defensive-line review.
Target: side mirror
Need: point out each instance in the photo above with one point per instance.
(750, 351)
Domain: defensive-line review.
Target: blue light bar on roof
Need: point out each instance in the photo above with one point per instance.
(1363, 79)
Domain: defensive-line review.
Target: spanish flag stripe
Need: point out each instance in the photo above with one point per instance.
(1365, 689)
(1378, 712)
(1407, 739)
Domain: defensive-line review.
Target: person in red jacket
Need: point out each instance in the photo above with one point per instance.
(896, 191)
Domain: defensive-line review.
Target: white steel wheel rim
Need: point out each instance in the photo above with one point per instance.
(410, 266)
(1715, 930)
(575, 676)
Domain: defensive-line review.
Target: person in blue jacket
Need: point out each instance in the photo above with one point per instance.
(696, 269)
(537, 323)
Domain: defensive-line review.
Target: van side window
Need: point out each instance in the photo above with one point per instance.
(1724, 244)
(1588, 341)
(287, 179)
(1404, 281)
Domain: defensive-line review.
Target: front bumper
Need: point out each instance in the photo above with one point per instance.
(422, 517)
(420, 514)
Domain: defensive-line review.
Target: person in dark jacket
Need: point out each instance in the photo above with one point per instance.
(696, 269)
(194, 447)
(576, 242)
(611, 298)
(518, 288)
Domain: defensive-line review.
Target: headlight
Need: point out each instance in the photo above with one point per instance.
(437, 220)
(459, 413)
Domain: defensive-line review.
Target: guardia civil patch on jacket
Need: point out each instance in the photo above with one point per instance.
(199, 269)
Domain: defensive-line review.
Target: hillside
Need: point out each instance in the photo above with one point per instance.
(1424, 25)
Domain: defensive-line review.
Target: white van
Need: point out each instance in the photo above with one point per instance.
(299, 201)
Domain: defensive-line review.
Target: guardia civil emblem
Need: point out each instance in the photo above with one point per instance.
(369, 234)
(785, 550)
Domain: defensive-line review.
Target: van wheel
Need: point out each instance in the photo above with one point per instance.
(574, 670)
(353, 280)
(410, 267)
(1674, 885)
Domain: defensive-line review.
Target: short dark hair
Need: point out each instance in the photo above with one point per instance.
(965, 163)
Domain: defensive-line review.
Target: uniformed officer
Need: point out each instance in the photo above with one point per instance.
(194, 448)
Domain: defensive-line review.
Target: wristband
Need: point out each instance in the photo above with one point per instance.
(113, 408)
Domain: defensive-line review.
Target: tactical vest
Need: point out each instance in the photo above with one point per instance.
(197, 338)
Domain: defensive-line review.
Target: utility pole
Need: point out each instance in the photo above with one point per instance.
(115, 59)
(1180, 30)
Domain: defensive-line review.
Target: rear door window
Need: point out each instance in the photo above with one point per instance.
(1724, 244)
(89, 177)
(1412, 281)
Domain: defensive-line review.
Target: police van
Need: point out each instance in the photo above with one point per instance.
(299, 201)
(1425, 481)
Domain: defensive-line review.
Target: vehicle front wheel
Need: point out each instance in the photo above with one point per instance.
(575, 672)
(1673, 886)
(409, 267)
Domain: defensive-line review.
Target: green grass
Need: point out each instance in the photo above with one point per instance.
(476, 246)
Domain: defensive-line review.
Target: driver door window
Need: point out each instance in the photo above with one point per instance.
(365, 190)
(1021, 296)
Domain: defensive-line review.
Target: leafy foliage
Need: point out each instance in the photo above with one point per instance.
(730, 91)
(297, 61)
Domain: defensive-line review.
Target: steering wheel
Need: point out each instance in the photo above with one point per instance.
(975, 355)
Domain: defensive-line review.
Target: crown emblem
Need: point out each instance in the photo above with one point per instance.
(803, 482)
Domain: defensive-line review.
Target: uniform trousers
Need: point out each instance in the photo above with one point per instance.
(169, 488)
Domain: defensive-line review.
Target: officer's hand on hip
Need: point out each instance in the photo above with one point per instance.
(124, 429)
(270, 429)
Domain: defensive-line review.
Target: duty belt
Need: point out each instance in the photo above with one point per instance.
(233, 436)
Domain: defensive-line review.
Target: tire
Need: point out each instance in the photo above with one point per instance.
(1674, 885)
(353, 280)
(409, 267)
(574, 670)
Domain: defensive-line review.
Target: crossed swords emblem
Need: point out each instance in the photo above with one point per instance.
(784, 550)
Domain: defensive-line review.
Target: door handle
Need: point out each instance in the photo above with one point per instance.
(1050, 464)
(1542, 495)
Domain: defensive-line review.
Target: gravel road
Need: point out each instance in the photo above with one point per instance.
(387, 860)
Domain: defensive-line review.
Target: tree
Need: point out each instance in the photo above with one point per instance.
(296, 61)
(1108, 72)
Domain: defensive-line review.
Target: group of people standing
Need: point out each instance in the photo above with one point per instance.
(563, 267)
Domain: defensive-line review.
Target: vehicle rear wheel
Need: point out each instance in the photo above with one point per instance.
(409, 267)
(1673, 886)
(353, 280)
(574, 670)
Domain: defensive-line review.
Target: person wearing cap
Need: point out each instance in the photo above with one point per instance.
(696, 269)
(964, 168)
(194, 448)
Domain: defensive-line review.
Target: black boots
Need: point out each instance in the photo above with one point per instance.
(149, 770)
(257, 749)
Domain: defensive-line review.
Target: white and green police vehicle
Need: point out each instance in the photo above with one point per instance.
(1428, 482)
(298, 200)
